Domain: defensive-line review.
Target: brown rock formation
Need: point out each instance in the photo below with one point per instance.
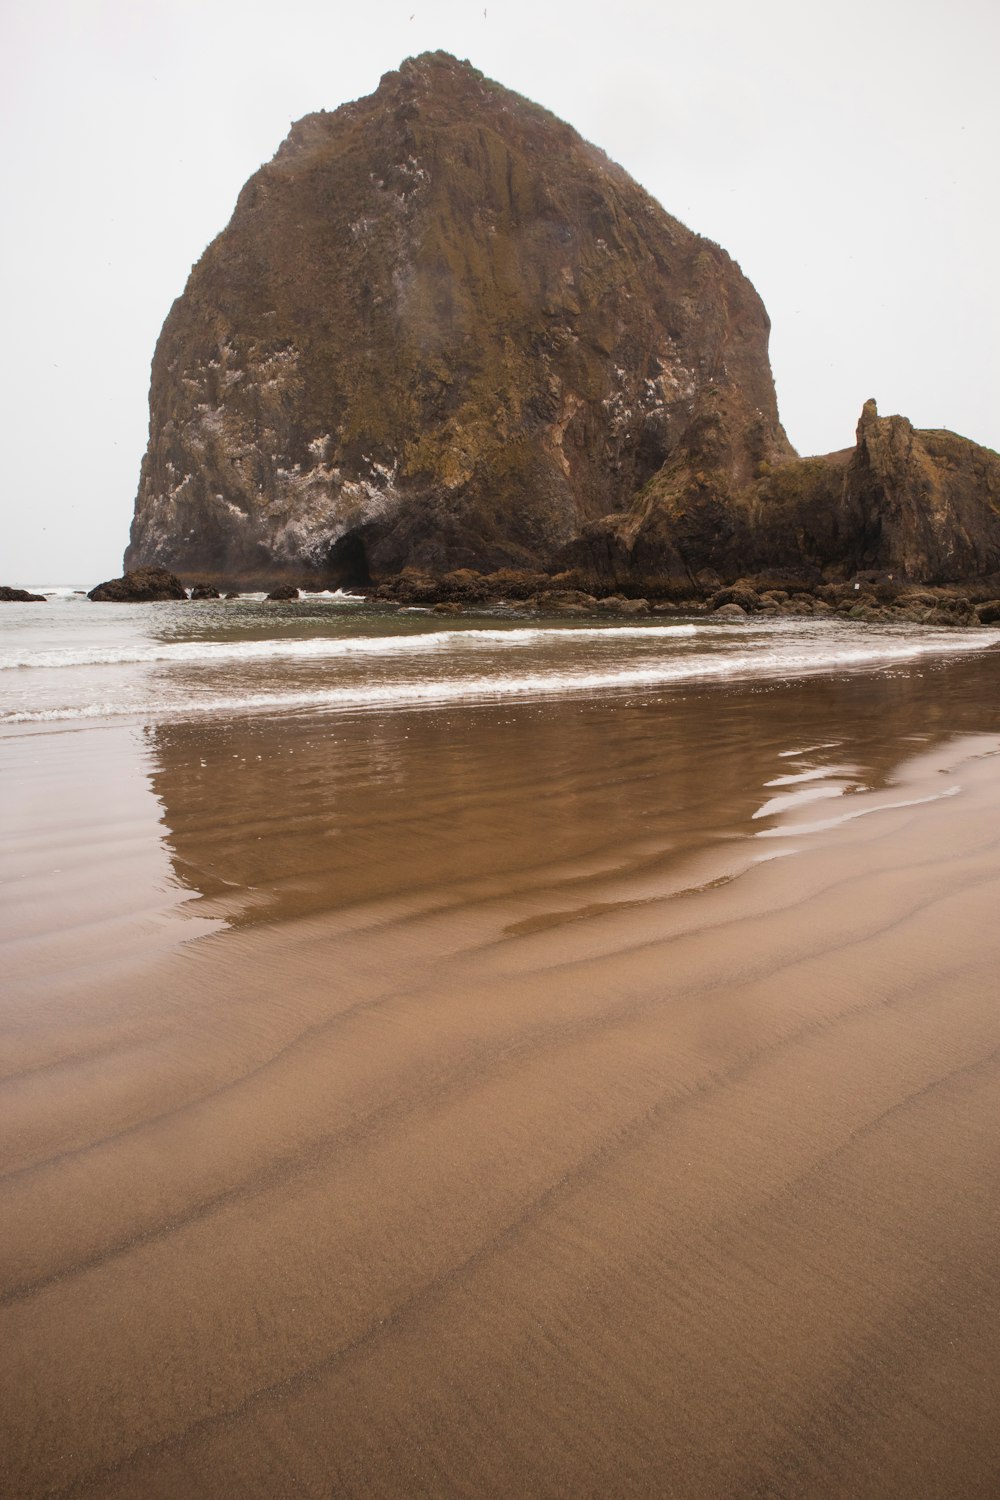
(144, 585)
(919, 506)
(929, 501)
(19, 596)
(442, 331)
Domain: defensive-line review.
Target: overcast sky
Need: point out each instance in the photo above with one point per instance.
(845, 153)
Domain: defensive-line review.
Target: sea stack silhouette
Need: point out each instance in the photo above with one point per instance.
(441, 331)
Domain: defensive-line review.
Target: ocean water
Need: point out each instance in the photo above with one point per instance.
(71, 661)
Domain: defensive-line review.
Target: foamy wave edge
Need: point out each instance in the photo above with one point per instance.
(315, 647)
(775, 665)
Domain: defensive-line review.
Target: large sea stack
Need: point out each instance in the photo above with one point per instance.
(442, 331)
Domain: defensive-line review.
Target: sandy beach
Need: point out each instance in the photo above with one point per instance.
(577, 1099)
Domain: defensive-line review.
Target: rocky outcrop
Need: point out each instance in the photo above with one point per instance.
(904, 504)
(928, 501)
(19, 596)
(909, 504)
(440, 331)
(443, 334)
(145, 585)
(869, 596)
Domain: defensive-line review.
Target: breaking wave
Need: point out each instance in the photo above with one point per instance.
(319, 647)
(790, 658)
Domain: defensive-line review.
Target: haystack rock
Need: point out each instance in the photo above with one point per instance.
(443, 331)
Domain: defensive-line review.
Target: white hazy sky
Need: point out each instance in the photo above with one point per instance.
(845, 153)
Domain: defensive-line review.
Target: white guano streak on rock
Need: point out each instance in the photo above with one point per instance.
(319, 506)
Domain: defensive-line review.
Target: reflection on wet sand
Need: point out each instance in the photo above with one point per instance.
(268, 819)
(530, 1128)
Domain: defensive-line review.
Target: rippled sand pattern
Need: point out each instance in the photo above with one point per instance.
(479, 1106)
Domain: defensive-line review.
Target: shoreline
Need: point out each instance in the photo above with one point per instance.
(871, 597)
(570, 1143)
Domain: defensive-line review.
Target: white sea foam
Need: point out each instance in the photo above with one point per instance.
(789, 660)
(57, 590)
(800, 797)
(796, 830)
(818, 773)
(316, 647)
(341, 596)
(807, 750)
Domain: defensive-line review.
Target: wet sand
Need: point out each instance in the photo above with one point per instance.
(574, 1100)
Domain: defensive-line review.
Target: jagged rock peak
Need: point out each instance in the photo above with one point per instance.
(430, 77)
(441, 330)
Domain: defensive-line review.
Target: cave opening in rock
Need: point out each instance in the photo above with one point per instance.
(347, 562)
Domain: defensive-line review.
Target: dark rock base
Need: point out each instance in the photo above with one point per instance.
(141, 586)
(19, 596)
